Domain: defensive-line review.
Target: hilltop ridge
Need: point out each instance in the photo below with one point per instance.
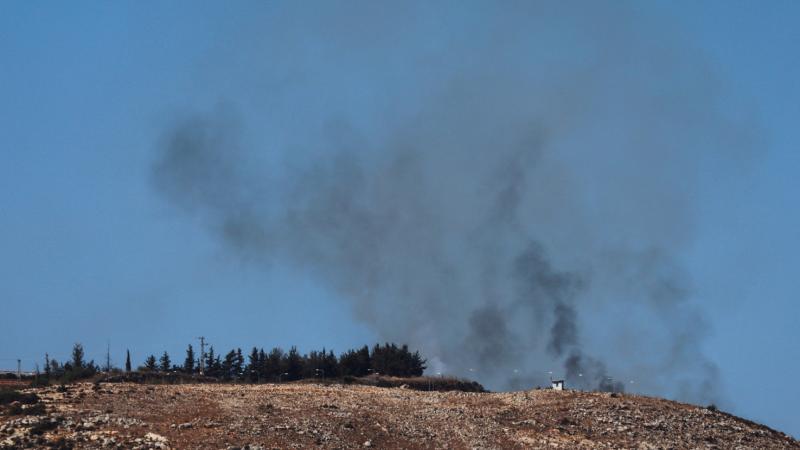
(300, 415)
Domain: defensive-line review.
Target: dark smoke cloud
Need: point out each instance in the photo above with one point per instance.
(520, 207)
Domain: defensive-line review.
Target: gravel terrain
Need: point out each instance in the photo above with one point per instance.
(225, 416)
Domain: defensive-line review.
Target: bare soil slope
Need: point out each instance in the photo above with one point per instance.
(337, 416)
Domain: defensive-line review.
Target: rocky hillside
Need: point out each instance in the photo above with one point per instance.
(125, 415)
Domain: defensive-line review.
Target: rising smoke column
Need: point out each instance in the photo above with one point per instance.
(529, 214)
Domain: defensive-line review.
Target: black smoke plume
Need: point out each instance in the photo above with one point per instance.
(515, 199)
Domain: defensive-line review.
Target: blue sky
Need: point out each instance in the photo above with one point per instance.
(91, 253)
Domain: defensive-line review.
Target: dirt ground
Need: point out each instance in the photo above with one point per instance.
(225, 416)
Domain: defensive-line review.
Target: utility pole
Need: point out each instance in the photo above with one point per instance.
(19, 369)
(202, 353)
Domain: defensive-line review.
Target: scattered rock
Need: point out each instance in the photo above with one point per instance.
(338, 416)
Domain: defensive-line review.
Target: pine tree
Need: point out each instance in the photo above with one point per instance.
(294, 364)
(165, 362)
(262, 364)
(127, 360)
(210, 361)
(47, 370)
(228, 365)
(56, 369)
(253, 366)
(150, 363)
(90, 369)
(274, 364)
(417, 365)
(238, 364)
(217, 366)
(330, 365)
(356, 363)
(312, 365)
(396, 361)
(188, 364)
(77, 357)
(364, 359)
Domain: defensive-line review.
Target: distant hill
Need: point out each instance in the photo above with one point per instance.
(231, 416)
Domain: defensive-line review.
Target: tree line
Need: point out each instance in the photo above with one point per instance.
(258, 366)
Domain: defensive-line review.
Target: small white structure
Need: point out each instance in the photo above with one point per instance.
(557, 385)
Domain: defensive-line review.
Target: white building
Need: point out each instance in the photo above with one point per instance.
(557, 385)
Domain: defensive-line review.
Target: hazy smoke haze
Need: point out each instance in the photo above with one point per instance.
(509, 188)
